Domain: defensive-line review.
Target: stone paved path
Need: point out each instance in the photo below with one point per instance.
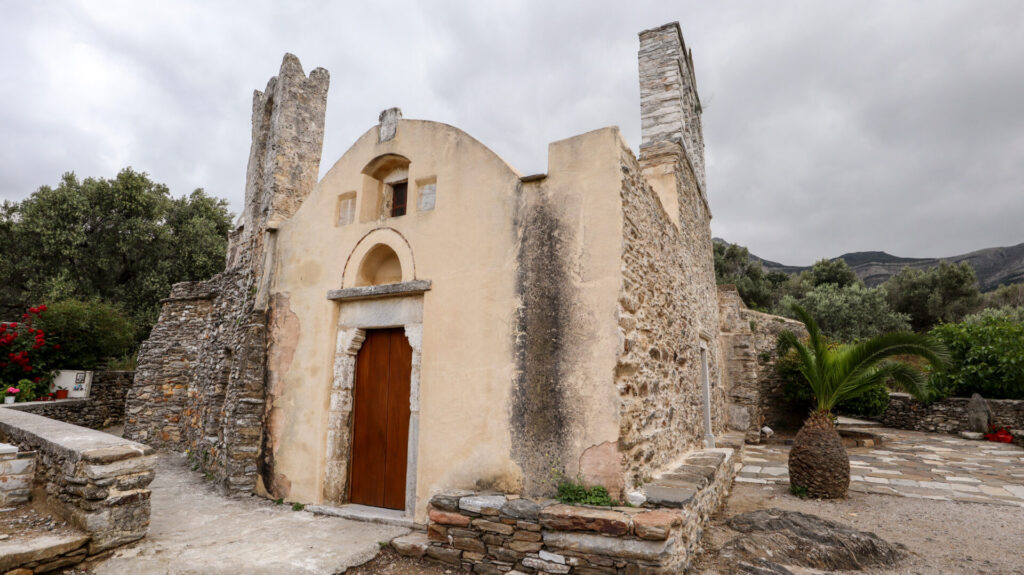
(195, 530)
(914, 464)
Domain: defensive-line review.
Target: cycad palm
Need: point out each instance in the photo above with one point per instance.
(818, 462)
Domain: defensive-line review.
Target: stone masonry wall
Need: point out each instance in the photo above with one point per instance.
(749, 340)
(667, 300)
(669, 104)
(201, 383)
(97, 481)
(948, 415)
(103, 408)
(17, 470)
(493, 533)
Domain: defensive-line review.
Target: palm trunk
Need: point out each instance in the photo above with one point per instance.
(818, 461)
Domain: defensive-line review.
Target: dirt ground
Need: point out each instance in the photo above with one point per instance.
(391, 563)
(941, 537)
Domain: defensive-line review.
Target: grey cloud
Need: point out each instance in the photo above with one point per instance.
(830, 127)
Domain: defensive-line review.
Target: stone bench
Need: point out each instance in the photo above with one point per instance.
(98, 482)
(493, 533)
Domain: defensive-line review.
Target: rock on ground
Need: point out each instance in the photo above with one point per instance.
(794, 538)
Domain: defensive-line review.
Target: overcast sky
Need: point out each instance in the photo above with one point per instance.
(830, 126)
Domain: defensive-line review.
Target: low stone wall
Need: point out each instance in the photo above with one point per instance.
(96, 481)
(948, 415)
(490, 533)
(103, 408)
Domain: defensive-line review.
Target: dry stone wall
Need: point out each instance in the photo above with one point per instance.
(201, 383)
(947, 415)
(667, 301)
(103, 408)
(493, 533)
(97, 481)
(749, 341)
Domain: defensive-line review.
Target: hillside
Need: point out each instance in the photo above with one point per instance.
(993, 266)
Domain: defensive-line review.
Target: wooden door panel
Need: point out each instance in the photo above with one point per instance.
(369, 431)
(396, 454)
(380, 432)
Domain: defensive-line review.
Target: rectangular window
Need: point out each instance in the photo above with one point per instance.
(399, 198)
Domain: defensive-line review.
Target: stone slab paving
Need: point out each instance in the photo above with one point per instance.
(195, 529)
(914, 464)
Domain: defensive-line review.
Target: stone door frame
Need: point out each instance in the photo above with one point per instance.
(354, 319)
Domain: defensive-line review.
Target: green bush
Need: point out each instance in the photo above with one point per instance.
(88, 332)
(986, 357)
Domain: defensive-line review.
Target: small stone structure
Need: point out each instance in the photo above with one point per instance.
(749, 343)
(16, 472)
(103, 408)
(949, 415)
(491, 533)
(96, 481)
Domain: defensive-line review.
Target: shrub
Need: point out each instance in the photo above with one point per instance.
(986, 357)
(798, 392)
(89, 332)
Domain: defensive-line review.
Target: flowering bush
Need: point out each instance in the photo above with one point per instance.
(999, 434)
(25, 353)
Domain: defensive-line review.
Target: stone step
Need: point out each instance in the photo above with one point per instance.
(679, 487)
(42, 550)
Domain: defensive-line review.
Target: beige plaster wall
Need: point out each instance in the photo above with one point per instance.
(468, 246)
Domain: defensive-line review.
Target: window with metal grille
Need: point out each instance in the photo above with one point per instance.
(399, 198)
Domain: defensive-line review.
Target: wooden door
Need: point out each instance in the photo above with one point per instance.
(380, 430)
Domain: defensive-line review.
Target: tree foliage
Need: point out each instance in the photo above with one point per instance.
(1006, 295)
(849, 312)
(836, 272)
(945, 293)
(89, 332)
(759, 289)
(124, 241)
(987, 356)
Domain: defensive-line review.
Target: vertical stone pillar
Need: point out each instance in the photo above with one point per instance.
(669, 104)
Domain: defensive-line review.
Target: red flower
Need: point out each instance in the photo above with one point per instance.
(56, 346)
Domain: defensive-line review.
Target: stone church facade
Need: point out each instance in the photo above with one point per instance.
(425, 317)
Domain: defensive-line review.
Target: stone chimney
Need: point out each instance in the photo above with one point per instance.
(669, 105)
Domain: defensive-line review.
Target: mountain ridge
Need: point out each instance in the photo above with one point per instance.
(993, 266)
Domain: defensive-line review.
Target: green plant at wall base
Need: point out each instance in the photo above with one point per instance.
(576, 493)
(298, 506)
(279, 501)
(799, 491)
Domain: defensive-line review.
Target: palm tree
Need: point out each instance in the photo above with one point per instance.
(818, 461)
